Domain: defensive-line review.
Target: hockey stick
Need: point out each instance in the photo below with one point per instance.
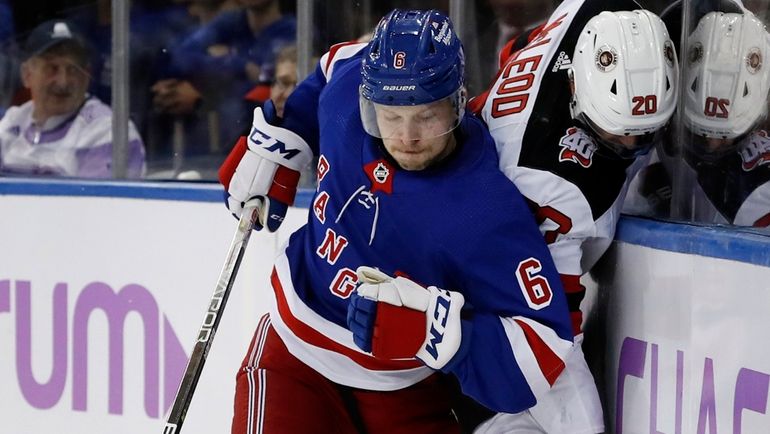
(210, 323)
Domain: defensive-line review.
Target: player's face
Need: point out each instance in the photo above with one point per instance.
(628, 142)
(418, 136)
(716, 145)
(711, 148)
(624, 146)
(57, 83)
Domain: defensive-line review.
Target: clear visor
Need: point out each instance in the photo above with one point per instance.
(626, 146)
(412, 122)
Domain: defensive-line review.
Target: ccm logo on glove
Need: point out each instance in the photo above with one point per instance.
(265, 165)
(438, 325)
(272, 144)
(395, 318)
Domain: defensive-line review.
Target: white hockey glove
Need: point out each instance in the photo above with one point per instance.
(265, 164)
(395, 318)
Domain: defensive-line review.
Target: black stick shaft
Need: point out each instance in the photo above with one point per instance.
(211, 321)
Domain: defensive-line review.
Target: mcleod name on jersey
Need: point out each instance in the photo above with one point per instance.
(441, 226)
(574, 191)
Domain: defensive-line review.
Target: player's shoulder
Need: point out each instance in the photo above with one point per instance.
(477, 177)
(478, 152)
(339, 55)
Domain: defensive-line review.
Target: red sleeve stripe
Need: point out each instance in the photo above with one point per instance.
(333, 52)
(332, 56)
(551, 365)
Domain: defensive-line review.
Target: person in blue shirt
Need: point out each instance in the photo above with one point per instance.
(214, 67)
(420, 262)
(9, 76)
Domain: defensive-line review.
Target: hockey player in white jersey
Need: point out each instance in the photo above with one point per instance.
(574, 109)
(727, 150)
(725, 105)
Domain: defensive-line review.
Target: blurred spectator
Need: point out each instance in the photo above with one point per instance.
(283, 84)
(62, 131)
(215, 66)
(7, 31)
(8, 65)
(154, 24)
(285, 78)
(511, 18)
(174, 95)
(204, 11)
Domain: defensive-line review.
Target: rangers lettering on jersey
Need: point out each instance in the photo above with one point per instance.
(578, 147)
(319, 206)
(344, 283)
(322, 169)
(332, 246)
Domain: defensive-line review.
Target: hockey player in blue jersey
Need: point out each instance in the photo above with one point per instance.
(418, 255)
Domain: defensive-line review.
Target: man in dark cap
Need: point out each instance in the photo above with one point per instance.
(62, 131)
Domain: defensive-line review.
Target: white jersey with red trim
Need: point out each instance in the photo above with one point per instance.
(574, 191)
(439, 226)
(732, 189)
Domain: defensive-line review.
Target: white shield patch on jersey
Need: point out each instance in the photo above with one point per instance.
(381, 173)
(578, 147)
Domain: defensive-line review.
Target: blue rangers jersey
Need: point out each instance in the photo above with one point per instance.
(462, 226)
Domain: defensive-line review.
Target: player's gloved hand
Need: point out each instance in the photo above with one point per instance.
(395, 318)
(265, 164)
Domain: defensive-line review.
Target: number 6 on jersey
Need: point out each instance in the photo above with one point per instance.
(535, 288)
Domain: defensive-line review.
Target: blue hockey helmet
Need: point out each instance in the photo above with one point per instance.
(414, 58)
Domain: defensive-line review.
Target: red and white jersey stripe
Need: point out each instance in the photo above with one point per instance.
(338, 52)
(329, 348)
